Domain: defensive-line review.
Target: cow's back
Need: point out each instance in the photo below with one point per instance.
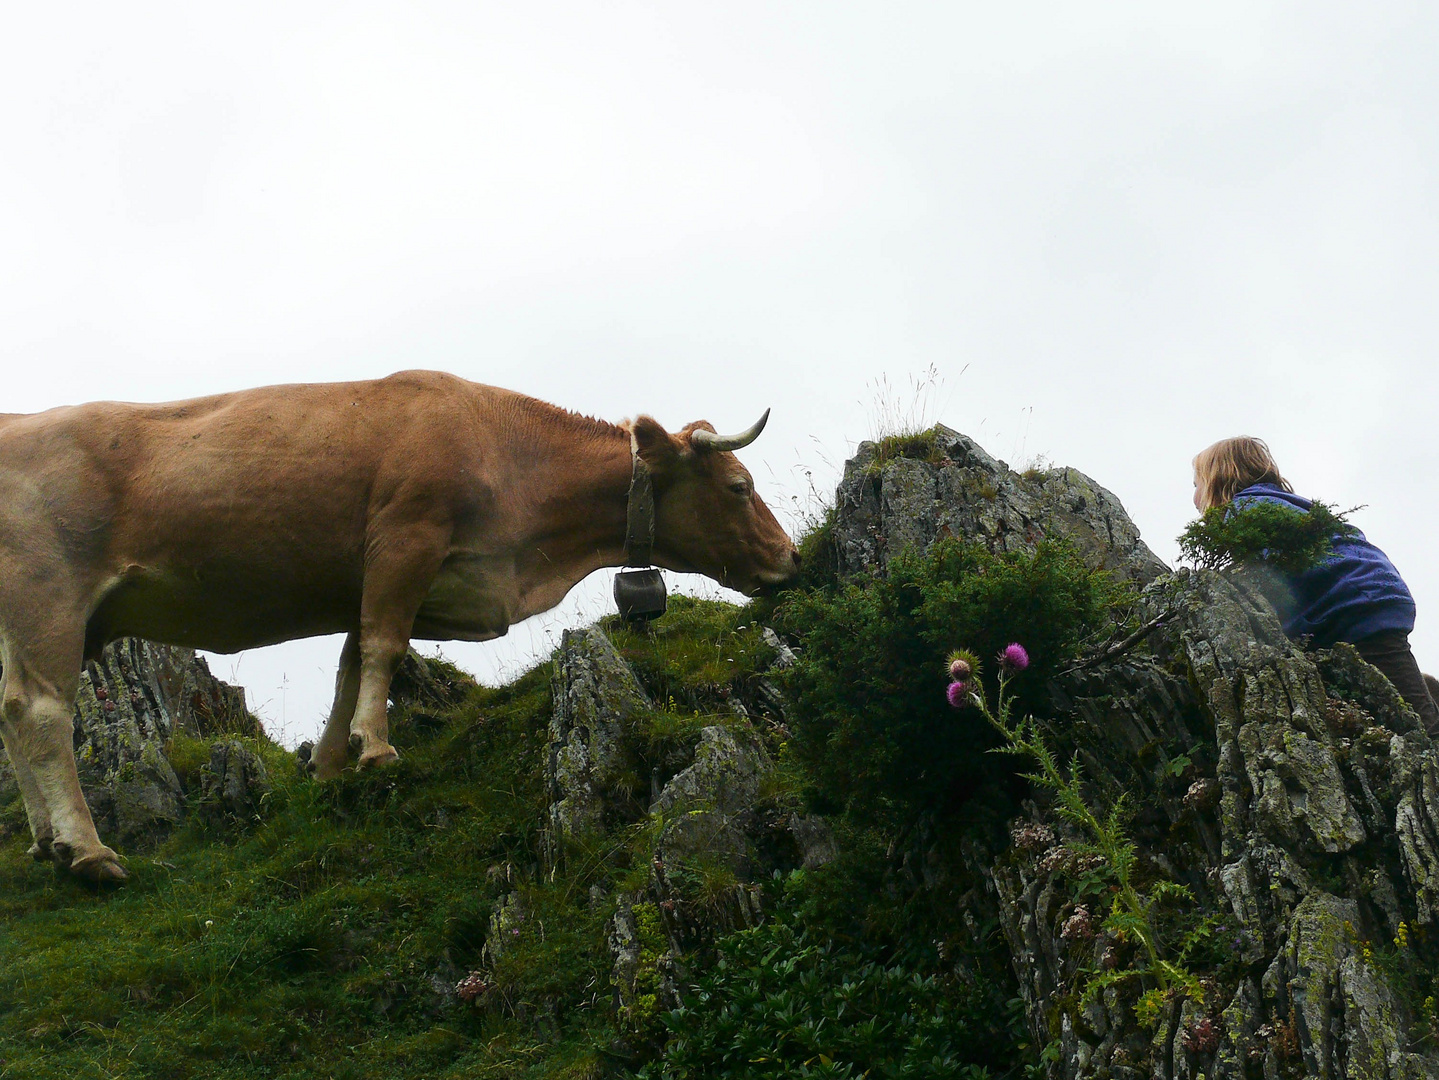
(239, 519)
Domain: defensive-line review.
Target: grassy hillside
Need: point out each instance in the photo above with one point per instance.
(327, 940)
(312, 945)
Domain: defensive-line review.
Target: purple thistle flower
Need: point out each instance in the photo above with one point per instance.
(957, 694)
(1014, 657)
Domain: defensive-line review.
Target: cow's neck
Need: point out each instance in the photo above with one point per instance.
(576, 517)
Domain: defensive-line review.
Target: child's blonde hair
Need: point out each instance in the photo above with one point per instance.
(1229, 466)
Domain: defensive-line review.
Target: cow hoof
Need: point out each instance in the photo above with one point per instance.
(305, 760)
(41, 851)
(381, 755)
(100, 867)
(99, 870)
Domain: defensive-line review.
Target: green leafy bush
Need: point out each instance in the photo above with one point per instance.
(1284, 538)
(869, 718)
(778, 1004)
(819, 554)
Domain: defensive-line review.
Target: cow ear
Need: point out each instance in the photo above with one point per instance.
(659, 449)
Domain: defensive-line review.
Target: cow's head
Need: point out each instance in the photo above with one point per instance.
(708, 518)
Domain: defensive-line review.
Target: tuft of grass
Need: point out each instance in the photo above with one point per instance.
(896, 413)
(695, 652)
(917, 445)
(188, 755)
(819, 554)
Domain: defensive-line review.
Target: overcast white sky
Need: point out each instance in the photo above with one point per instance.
(1118, 231)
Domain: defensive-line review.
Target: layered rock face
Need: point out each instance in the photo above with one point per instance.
(1293, 794)
(707, 811)
(1303, 826)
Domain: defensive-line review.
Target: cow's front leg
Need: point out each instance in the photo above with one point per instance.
(331, 751)
(397, 578)
(39, 730)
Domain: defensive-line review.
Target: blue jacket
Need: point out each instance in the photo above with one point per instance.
(1354, 593)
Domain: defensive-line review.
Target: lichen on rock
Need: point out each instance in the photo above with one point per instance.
(591, 760)
(234, 786)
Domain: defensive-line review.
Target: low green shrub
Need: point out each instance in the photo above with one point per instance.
(1283, 538)
(778, 1003)
(870, 724)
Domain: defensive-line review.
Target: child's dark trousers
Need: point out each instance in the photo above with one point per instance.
(1389, 652)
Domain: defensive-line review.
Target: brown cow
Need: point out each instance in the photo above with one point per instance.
(417, 506)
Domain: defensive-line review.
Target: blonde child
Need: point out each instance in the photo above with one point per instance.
(1355, 595)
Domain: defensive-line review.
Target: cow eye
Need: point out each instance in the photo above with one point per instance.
(740, 487)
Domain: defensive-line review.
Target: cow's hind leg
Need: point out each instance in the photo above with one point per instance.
(35, 711)
(397, 578)
(380, 656)
(41, 830)
(332, 749)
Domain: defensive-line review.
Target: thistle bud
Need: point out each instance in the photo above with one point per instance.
(961, 665)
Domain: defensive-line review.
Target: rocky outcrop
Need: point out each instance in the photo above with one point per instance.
(711, 834)
(234, 786)
(1327, 825)
(702, 869)
(1299, 817)
(704, 808)
(592, 765)
(1293, 795)
(130, 703)
(707, 820)
(886, 504)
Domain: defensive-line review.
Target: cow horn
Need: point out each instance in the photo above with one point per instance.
(708, 440)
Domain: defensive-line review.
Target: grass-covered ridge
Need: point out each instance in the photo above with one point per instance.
(327, 940)
(306, 947)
